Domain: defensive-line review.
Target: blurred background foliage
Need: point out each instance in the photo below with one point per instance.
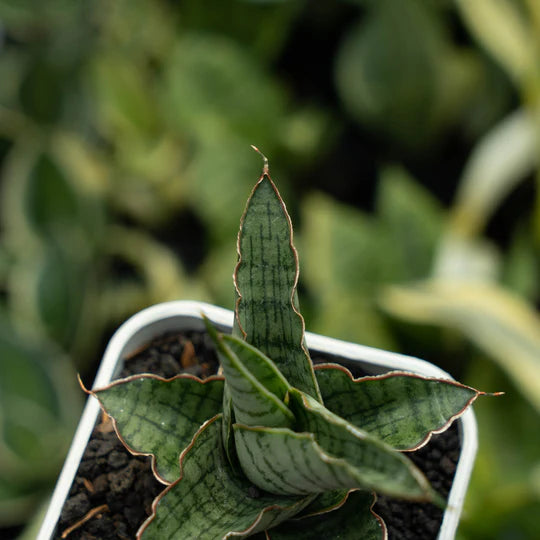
(404, 135)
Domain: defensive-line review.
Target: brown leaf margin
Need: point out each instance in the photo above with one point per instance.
(119, 382)
(382, 524)
(230, 534)
(398, 373)
(266, 174)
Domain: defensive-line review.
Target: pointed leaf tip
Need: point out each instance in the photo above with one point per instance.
(266, 167)
(402, 409)
(148, 420)
(265, 278)
(83, 387)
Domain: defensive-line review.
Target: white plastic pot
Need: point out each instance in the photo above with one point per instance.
(186, 315)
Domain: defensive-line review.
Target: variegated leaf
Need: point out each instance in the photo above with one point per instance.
(496, 320)
(355, 519)
(211, 501)
(329, 454)
(325, 502)
(227, 423)
(260, 366)
(284, 462)
(379, 466)
(265, 278)
(401, 409)
(253, 403)
(159, 417)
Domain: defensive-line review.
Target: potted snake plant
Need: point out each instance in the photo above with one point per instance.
(273, 446)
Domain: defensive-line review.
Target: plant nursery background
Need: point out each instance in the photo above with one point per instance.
(404, 134)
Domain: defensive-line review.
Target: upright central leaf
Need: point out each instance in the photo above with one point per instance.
(265, 278)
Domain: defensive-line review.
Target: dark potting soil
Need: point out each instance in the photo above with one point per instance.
(113, 490)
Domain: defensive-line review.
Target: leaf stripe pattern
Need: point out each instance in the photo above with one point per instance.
(380, 466)
(211, 501)
(355, 519)
(335, 455)
(262, 368)
(253, 404)
(326, 502)
(149, 419)
(318, 470)
(265, 279)
(401, 409)
(286, 476)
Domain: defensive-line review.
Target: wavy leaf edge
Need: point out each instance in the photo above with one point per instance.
(230, 534)
(382, 524)
(94, 392)
(399, 373)
(240, 261)
(428, 494)
(265, 175)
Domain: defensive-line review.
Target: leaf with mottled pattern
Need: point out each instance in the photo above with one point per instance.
(328, 454)
(159, 417)
(325, 502)
(211, 501)
(401, 409)
(253, 403)
(266, 278)
(355, 519)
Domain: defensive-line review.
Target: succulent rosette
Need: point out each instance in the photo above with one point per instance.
(274, 446)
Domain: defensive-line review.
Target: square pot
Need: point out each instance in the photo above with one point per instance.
(157, 320)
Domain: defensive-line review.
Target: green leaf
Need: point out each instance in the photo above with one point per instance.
(159, 417)
(503, 28)
(253, 403)
(380, 466)
(266, 277)
(256, 363)
(124, 96)
(497, 321)
(210, 501)
(226, 425)
(330, 454)
(262, 368)
(401, 409)
(325, 502)
(51, 202)
(354, 519)
(388, 70)
(61, 282)
(252, 109)
(500, 160)
(413, 219)
(346, 257)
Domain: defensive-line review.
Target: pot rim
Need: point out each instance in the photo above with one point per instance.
(160, 318)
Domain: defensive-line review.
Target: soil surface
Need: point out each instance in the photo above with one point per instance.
(113, 491)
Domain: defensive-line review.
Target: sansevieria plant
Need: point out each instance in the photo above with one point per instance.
(274, 446)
